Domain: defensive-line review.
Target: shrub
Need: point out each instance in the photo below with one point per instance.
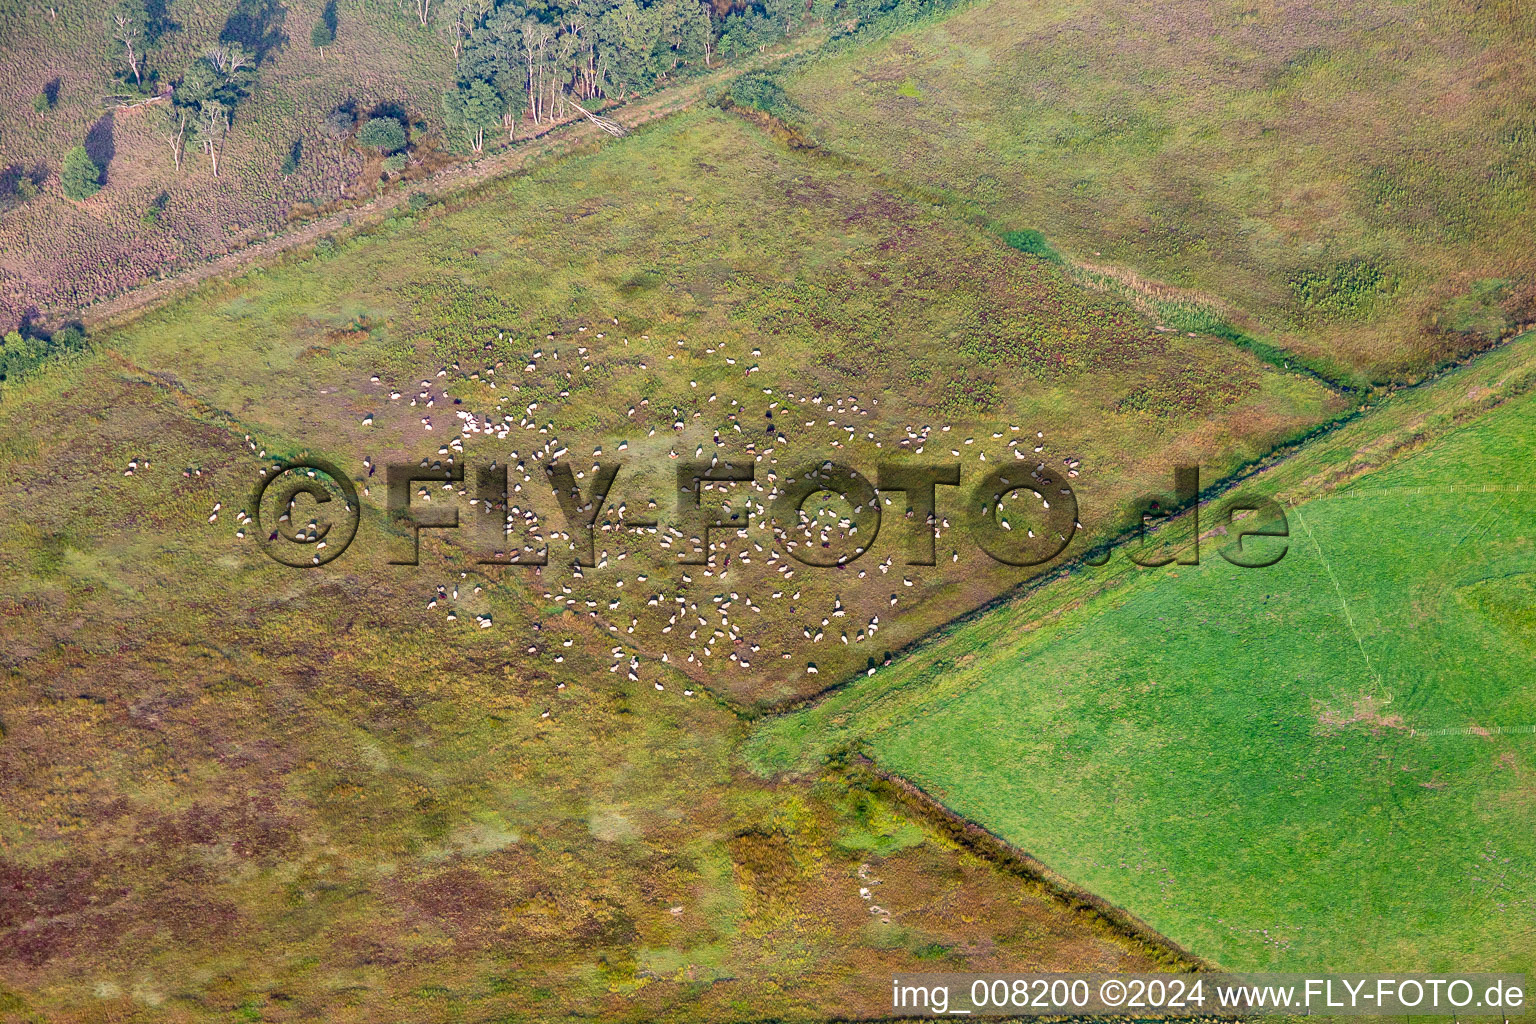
(22, 352)
(1032, 242)
(384, 134)
(760, 90)
(151, 215)
(395, 164)
(324, 32)
(69, 339)
(80, 178)
(41, 103)
(291, 158)
(338, 124)
(1348, 291)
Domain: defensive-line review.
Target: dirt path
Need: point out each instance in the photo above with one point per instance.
(567, 137)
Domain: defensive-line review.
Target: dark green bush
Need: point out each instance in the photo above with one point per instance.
(1032, 242)
(384, 134)
(80, 178)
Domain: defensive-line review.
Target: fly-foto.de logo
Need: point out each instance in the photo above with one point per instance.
(826, 514)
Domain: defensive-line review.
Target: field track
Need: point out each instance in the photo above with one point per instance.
(558, 140)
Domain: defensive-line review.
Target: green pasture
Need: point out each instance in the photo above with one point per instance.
(1322, 764)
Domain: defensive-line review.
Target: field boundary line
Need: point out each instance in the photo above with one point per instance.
(1278, 456)
(1005, 856)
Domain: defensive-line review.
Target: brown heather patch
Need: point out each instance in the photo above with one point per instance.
(1366, 712)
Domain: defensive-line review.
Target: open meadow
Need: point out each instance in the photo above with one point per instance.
(1350, 182)
(1322, 764)
(231, 787)
(769, 311)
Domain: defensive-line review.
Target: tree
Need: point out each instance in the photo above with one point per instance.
(231, 59)
(462, 17)
(128, 24)
(80, 178)
(223, 74)
(324, 32)
(210, 130)
(336, 127)
(198, 83)
(382, 133)
(473, 107)
(321, 36)
(171, 124)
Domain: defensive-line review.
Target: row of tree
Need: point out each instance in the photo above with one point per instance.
(535, 60)
(542, 60)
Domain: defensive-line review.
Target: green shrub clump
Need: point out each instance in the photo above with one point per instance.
(80, 178)
(1033, 242)
(384, 134)
(760, 90)
(21, 352)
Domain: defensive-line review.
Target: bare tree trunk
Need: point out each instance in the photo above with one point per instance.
(423, 8)
(125, 36)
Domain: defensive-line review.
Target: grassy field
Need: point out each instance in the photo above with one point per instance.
(468, 791)
(734, 301)
(1348, 182)
(1322, 764)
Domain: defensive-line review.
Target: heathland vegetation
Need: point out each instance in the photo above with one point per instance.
(461, 787)
(218, 120)
(1096, 240)
(1352, 185)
